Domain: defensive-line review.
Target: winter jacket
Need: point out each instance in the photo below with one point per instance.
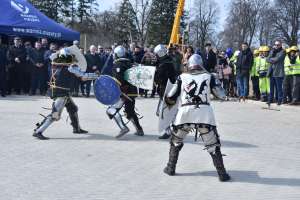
(276, 59)
(209, 60)
(244, 62)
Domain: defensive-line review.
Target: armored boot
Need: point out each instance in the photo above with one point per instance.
(173, 157)
(136, 123)
(75, 124)
(119, 121)
(218, 163)
(41, 127)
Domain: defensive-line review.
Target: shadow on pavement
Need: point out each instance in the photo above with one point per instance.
(249, 177)
(22, 98)
(129, 137)
(147, 138)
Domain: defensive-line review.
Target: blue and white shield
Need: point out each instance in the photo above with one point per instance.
(107, 90)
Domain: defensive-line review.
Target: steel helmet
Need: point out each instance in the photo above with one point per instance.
(160, 50)
(294, 48)
(120, 52)
(195, 63)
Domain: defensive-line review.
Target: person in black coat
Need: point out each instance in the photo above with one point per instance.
(39, 71)
(209, 58)
(28, 67)
(3, 63)
(93, 65)
(17, 59)
(243, 67)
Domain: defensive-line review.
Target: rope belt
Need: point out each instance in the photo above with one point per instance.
(195, 104)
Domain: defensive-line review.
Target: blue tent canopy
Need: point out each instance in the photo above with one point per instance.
(19, 17)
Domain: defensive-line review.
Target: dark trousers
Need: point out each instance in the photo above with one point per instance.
(130, 112)
(3, 80)
(296, 88)
(27, 81)
(276, 82)
(287, 88)
(82, 87)
(255, 85)
(75, 86)
(16, 78)
(88, 86)
(242, 85)
(225, 84)
(38, 81)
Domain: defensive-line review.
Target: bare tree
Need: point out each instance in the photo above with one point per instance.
(266, 31)
(256, 10)
(287, 19)
(243, 21)
(204, 21)
(142, 10)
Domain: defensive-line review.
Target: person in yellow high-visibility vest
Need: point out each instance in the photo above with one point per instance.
(262, 69)
(255, 76)
(296, 79)
(290, 59)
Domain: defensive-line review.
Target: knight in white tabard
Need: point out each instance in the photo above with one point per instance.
(193, 90)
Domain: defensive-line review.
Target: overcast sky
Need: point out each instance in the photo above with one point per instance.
(109, 4)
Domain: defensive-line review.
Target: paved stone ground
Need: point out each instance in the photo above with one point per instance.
(262, 150)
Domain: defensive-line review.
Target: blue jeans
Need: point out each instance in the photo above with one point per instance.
(242, 85)
(277, 83)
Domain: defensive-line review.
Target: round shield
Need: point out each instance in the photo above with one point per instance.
(107, 90)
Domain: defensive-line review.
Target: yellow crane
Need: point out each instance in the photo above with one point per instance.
(175, 36)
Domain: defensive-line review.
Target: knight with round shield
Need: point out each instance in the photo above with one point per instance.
(128, 95)
(66, 63)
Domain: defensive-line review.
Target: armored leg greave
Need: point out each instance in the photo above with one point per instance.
(173, 157)
(57, 108)
(113, 113)
(218, 163)
(41, 127)
(119, 121)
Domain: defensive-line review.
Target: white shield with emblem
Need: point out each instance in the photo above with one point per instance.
(141, 76)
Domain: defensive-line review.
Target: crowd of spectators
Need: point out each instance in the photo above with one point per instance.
(25, 68)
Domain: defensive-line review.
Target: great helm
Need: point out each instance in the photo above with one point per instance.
(195, 63)
(69, 56)
(160, 50)
(120, 52)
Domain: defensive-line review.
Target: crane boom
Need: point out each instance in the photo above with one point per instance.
(176, 26)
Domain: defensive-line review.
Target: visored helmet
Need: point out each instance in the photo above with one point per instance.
(120, 52)
(195, 63)
(160, 50)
